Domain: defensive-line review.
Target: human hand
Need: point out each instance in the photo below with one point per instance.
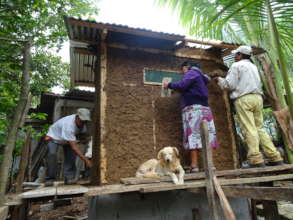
(165, 84)
(215, 79)
(88, 163)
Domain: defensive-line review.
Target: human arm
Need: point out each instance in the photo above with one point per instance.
(231, 80)
(76, 150)
(183, 84)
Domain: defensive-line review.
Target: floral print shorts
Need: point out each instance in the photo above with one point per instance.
(191, 117)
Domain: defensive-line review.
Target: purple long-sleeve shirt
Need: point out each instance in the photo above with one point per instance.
(193, 88)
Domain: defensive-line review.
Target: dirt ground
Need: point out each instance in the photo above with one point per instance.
(77, 209)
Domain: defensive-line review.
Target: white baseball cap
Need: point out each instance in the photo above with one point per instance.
(243, 49)
(84, 114)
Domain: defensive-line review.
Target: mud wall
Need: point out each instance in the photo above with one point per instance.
(139, 122)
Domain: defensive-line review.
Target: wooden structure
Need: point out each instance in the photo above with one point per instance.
(218, 185)
(132, 122)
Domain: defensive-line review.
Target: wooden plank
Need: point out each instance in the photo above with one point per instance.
(12, 199)
(209, 170)
(121, 188)
(228, 212)
(201, 175)
(39, 193)
(170, 186)
(255, 179)
(157, 187)
(260, 193)
(71, 190)
(4, 212)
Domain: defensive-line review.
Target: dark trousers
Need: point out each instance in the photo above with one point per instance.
(69, 161)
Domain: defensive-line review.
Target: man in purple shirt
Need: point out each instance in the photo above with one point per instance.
(195, 108)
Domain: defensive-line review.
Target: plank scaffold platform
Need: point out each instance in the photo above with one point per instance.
(146, 185)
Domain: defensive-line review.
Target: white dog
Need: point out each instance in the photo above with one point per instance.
(167, 164)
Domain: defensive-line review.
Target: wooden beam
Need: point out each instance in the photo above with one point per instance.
(199, 57)
(214, 43)
(96, 133)
(228, 211)
(260, 193)
(99, 159)
(201, 175)
(104, 54)
(209, 170)
(221, 44)
(194, 55)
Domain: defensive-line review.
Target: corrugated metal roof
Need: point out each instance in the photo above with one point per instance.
(111, 26)
(85, 35)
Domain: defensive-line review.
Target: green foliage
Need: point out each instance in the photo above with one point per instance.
(42, 116)
(48, 71)
(41, 22)
(245, 22)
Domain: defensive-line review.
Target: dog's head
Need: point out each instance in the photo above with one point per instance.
(168, 154)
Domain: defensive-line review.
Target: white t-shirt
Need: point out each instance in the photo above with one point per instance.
(242, 78)
(65, 129)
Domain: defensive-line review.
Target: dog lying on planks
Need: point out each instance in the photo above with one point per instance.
(167, 164)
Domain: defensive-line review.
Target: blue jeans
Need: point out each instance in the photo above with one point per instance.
(69, 161)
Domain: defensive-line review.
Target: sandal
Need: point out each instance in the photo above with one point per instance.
(192, 170)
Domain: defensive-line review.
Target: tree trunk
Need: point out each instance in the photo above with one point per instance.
(11, 137)
(281, 60)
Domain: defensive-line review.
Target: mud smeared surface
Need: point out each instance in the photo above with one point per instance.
(139, 122)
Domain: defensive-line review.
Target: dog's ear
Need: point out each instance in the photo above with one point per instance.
(176, 152)
(160, 154)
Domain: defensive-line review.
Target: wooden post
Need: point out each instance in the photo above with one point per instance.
(228, 212)
(270, 210)
(253, 209)
(211, 179)
(270, 207)
(19, 212)
(99, 131)
(209, 170)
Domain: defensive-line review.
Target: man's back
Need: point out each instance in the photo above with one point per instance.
(244, 79)
(64, 129)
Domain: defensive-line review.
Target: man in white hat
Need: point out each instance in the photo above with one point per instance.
(63, 133)
(244, 83)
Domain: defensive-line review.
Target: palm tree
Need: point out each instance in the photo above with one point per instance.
(263, 23)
